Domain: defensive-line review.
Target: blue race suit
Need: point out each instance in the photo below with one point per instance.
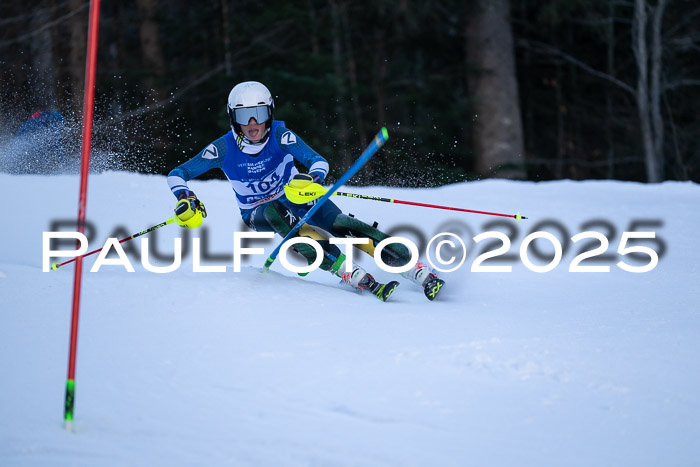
(258, 173)
(37, 147)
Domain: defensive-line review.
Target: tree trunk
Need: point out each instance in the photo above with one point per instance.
(352, 74)
(228, 60)
(657, 120)
(341, 92)
(498, 135)
(42, 61)
(610, 65)
(561, 136)
(648, 98)
(313, 33)
(154, 64)
(381, 70)
(77, 56)
(151, 51)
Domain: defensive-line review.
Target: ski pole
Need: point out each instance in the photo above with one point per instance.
(373, 147)
(314, 190)
(56, 265)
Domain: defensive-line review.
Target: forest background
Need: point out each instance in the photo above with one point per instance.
(521, 89)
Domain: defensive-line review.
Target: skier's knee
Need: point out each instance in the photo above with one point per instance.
(280, 218)
(394, 254)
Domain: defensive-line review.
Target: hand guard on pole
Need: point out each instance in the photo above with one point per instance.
(302, 180)
(189, 211)
(299, 184)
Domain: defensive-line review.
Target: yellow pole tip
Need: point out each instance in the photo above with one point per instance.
(518, 217)
(54, 266)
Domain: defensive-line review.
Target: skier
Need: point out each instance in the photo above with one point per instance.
(37, 147)
(258, 156)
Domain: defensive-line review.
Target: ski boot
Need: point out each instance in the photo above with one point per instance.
(361, 280)
(423, 275)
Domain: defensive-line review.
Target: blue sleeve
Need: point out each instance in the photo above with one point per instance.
(211, 157)
(294, 145)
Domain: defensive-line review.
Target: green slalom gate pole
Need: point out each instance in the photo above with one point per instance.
(373, 147)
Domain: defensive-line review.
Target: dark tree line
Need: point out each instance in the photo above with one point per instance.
(528, 89)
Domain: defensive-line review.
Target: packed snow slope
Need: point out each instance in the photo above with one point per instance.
(242, 368)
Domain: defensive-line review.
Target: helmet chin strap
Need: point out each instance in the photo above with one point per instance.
(250, 147)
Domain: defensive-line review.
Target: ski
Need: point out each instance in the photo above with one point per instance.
(432, 287)
(384, 291)
(379, 290)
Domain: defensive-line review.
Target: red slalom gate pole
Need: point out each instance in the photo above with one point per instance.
(88, 108)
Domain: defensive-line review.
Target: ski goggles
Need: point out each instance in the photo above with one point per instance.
(242, 115)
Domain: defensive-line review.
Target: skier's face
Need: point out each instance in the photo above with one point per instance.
(254, 131)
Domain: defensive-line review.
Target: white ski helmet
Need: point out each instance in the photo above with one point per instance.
(247, 100)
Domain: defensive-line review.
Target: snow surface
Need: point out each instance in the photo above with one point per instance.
(224, 368)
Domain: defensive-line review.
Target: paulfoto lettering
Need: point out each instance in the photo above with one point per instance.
(437, 249)
(113, 244)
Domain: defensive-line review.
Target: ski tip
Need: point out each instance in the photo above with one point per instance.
(386, 290)
(433, 288)
(385, 133)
